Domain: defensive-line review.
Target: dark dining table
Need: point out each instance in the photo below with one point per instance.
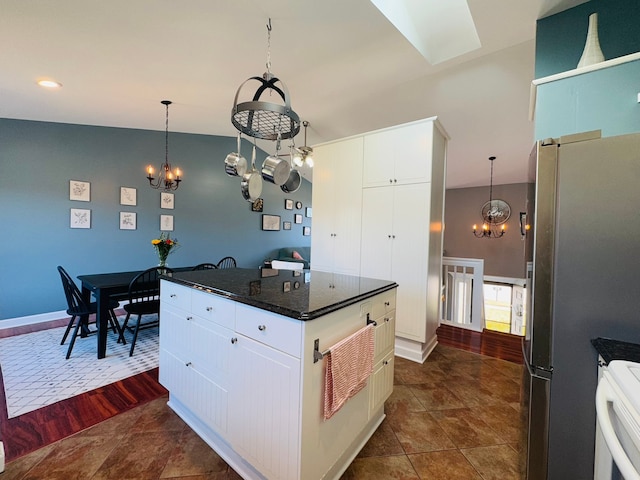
(106, 287)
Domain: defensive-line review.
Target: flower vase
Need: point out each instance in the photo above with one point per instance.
(592, 53)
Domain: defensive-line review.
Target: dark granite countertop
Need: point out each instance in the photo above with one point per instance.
(610, 350)
(303, 294)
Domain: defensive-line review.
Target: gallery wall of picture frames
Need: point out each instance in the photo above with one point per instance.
(277, 223)
(80, 191)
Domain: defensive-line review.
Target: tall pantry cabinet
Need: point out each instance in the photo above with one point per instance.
(400, 221)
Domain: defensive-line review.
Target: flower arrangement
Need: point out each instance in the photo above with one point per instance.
(164, 246)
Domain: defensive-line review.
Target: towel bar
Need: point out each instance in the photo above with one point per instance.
(318, 355)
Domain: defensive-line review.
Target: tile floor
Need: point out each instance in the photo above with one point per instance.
(456, 417)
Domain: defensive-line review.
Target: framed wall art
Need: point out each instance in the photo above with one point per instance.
(270, 222)
(79, 191)
(286, 225)
(166, 200)
(128, 196)
(166, 223)
(306, 231)
(307, 212)
(288, 204)
(80, 218)
(298, 204)
(128, 220)
(258, 205)
(297, 218)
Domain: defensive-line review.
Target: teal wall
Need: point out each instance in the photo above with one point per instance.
(606, 99)
(211, 218)
(560, 38)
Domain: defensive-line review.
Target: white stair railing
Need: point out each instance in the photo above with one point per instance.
(462, 293)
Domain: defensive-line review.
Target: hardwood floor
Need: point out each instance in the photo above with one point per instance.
(44, 426)
(493, 344)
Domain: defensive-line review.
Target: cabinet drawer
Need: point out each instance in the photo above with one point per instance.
(281, 333)
(383, 304)
(176, 295)
(213, 308)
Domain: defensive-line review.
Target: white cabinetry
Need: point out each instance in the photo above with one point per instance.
(399, 214)
(337, 204)
(246, 381)
(397, 156)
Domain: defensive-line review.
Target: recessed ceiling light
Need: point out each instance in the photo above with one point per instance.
(49, 83)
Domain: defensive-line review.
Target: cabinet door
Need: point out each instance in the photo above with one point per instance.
(410, 258)
(265, 407)
(384, 335)
(337, 206)
(398, 155)
(377, 233)
(381, 383)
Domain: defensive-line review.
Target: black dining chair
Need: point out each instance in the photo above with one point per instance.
(144, 299)
(205, 266)
(79, 309)
(227, 262)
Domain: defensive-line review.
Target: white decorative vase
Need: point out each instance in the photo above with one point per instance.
(592, 52)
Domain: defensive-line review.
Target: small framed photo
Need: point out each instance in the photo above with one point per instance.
(306, 231)
(80, 218)
(166, 223)
(270, 222)
(80, 191)
(166, 200)
(297, 218)
(258, 205)
(128, 196)
(288, 204)
(307, 212)
(298, 204)
(127, 220)
(286, 286)
(286, 225)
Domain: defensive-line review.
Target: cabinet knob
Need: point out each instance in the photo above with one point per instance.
(234, 340)
(173, 295)
(391, 180)
(386, 362)
(393, 236)
(188, 364)
(395, 180)
(209, 309)
(189, 318)
(386, 319)
(387, 303)
(262, 328)
(389, 236)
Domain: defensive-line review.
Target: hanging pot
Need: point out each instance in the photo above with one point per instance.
(276, 170)
(235, 164)
(293, 182)
(251, 185)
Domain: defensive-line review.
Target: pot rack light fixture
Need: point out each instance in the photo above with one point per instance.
(495, 214)
(304, 154)
(259, 119)
(167, 178)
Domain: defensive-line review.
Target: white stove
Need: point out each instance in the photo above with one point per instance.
(617, 454)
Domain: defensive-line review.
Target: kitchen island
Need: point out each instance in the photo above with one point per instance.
(241, 353)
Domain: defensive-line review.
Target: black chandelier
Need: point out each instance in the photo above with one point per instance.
(495, 214)
(167, 179)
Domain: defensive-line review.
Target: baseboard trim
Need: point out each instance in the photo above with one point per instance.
(414, 351)
(32, 319)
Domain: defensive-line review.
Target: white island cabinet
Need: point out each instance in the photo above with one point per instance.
(245, 380)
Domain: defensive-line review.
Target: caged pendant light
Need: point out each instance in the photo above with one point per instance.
(495, 214)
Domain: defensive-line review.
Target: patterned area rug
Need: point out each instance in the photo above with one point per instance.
(36, 374)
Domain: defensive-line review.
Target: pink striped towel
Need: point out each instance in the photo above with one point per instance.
(349, 364)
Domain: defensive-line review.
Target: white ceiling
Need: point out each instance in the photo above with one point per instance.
(347, 68)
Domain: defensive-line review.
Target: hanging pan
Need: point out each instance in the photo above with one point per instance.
(251, 184)
(235, 164)
(293, 182)
(276, 170)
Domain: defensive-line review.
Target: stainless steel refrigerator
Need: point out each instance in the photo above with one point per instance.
(583, 252)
